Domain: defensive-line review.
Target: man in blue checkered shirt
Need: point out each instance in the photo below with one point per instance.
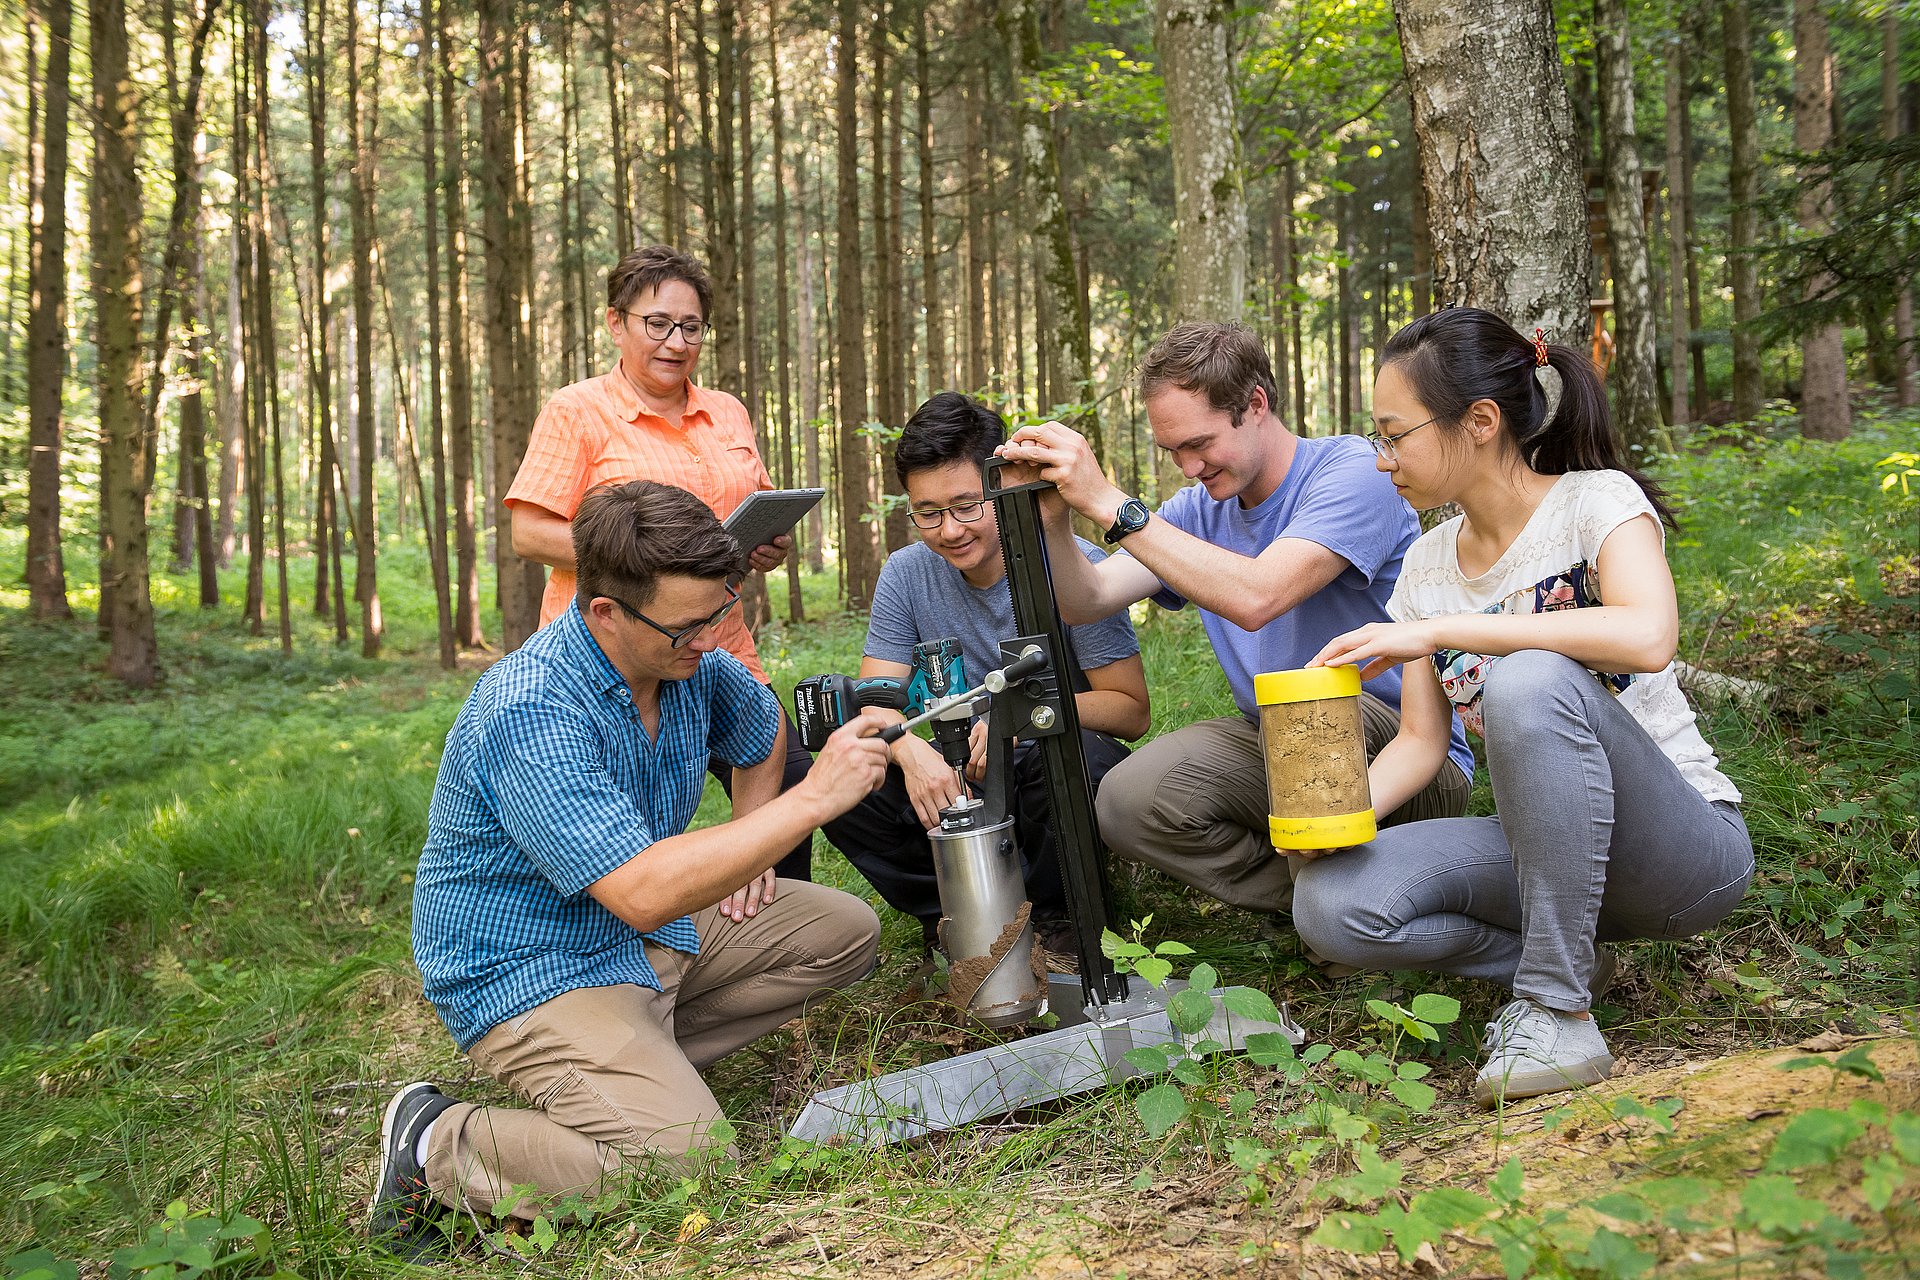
(584, 948)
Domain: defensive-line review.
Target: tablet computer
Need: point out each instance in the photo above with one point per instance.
(767, 514)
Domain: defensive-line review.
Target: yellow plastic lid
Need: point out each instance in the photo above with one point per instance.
(1309, 684)
(1336, 832)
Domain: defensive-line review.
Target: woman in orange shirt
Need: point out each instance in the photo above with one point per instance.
(645, 419)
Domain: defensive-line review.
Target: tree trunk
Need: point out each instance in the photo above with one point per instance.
(886, 287)
(460, 442)
(672, 194)
(47, 326)
(760, 608)
(1498, 160)
(614, 65)
(1679, 251)
(1343, 325)
(782, 302)
(269, 363)
(1824, 411)
(858, 555)
(1209, 189)
(807, 337)
(1907, 356)
(509, 380)
(1070, 373)
(722, 211)
(1636, 395)
(366, 544)
(114, 224)
(939, 374)
(436, 519)
(973, 175)
(1743, 191)
(571, 369)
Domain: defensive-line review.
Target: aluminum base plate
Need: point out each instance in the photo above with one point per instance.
(1085, 1052)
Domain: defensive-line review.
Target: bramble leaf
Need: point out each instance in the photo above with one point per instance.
(1190, 1011)
(1351, 1232)
(1148, 1059)
(1509, 1183)
(1160, 1108)
(1880, 1177)
(1771, 1205)
(1203, 979)
(1154, 970)
(1615, 1256)
(1436, 1009)
(1249, 1002)
(1813, 1138)
(1414, 1094)
(1270, 1049)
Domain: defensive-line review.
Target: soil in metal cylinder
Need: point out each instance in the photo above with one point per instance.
(1316, 758)
(965, 977)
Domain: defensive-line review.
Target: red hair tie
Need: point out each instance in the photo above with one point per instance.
(1540, 347)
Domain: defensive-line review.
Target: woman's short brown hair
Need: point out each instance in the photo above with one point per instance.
(651, 266)
(1223, 362)
(626, 537)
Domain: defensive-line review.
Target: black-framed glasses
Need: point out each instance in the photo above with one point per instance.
(964, 512)
(659, 326)
(685, 636)
(1385, 445)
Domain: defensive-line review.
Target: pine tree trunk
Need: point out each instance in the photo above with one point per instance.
(886, 286)
(939, 373)
(858, 555)
(973, 176)
(1070, 372)
(1498, 160)
(366, 536)
(1743, 191)
(723, 213)
(1209, 187)
(672, 194)
(269, 364)
(436, 520)
(570, 367)
(47, 325)
(1679, 251)
(1825, 413)
(1636, 395)
(612, 63)
(760, 609)
(806, 336)
(1907, 356)
(115, 225)
(460, 438)
(782, 304)
(509, 379)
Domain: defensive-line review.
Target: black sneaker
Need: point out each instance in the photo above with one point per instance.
(403, 1208)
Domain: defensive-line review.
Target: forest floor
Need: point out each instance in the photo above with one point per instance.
(206, 991)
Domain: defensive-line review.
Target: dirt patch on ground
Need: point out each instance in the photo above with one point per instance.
(1572, 1148)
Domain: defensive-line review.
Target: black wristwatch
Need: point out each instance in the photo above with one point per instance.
(1132, 517)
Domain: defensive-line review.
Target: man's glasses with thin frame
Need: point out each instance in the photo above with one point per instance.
(659, 327)
(964, 512)
(686, 635)
(1385, 445)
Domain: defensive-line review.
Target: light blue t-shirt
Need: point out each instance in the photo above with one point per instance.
(921, 597)
(1332, 495)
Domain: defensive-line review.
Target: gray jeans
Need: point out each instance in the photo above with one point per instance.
(1598, 838)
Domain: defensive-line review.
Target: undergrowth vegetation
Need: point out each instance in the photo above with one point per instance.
(206, 991)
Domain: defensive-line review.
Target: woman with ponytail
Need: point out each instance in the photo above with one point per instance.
(1544, 616)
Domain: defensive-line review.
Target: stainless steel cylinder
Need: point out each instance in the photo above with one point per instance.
(985, 925)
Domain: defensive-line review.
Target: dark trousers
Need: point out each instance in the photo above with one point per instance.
(798, 862)
(884, 839)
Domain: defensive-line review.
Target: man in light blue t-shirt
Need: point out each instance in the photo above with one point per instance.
(1283, 544)
(953, 584)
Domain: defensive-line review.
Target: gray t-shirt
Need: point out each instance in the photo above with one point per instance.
(921, 597)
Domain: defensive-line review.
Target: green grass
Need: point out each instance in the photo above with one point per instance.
(206, 990)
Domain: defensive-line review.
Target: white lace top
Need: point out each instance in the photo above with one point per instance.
(1551, 565)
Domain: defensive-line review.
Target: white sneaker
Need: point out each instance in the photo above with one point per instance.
(1533, 1050)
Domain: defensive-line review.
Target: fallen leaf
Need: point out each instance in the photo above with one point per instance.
(693, 1224)
(1764, 1112)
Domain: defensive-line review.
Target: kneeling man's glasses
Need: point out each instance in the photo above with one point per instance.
(964, 512)
(685, 635)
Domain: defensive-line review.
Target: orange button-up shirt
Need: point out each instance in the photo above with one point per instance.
(598, 431)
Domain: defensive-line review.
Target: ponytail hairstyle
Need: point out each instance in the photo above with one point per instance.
(1552, 403)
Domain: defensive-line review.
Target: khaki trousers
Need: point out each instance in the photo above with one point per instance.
(1193, 803)
(613, 1073)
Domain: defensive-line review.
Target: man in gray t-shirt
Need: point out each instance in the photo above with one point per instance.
(953, 584)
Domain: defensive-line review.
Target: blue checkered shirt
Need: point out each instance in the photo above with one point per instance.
(548, 783)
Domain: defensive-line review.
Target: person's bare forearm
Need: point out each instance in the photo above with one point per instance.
(543, 536)
(1113, 713)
